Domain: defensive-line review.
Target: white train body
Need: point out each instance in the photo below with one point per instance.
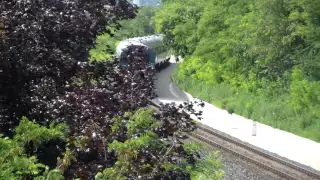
(157, 52)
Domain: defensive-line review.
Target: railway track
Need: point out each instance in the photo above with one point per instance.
(254, 155)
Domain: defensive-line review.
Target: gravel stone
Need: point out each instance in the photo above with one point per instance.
(236, 168)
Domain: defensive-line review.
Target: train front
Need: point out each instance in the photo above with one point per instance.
(123, 50)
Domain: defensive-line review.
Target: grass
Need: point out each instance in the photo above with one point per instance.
(274, 111)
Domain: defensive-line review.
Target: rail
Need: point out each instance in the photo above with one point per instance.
(251, 153)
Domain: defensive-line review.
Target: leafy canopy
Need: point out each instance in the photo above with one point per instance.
(257, 58)
(16, 164)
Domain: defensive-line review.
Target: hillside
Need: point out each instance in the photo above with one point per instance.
(256, 58)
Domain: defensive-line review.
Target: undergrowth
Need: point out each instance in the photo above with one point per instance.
(274, 106)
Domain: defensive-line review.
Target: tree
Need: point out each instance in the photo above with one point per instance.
(15, 159)
(46, 76)
(148, 154)
(178, 20)
(141, 25)
(41, 44)
(243, 55)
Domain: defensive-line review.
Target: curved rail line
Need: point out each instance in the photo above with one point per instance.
(251, 153)
(304, 173)
(246, 158)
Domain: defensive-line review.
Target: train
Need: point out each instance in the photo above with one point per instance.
(158, 53)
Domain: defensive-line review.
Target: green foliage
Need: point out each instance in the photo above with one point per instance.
(66, 161)
(54, 174)
(177, 20)
(81, 142)
(28, 132)
(193, 147)
(142, 137)
(128, 152)
(141, 25)
(141, 121)
(304, 94)
(259, 59)
(15, 164)
(106, 44)
(208, 168)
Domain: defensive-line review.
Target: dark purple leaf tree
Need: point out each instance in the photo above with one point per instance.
(45, 75)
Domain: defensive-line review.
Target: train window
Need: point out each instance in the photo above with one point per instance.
(123, 59)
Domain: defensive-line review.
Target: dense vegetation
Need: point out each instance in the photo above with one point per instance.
(257, 58)
(89, 120)
(141, 25)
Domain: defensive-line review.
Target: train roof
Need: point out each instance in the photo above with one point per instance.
(149, 41)
(124, 44)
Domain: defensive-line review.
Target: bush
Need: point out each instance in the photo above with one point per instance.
(15, 163)
(45, 75)
(259, 59)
